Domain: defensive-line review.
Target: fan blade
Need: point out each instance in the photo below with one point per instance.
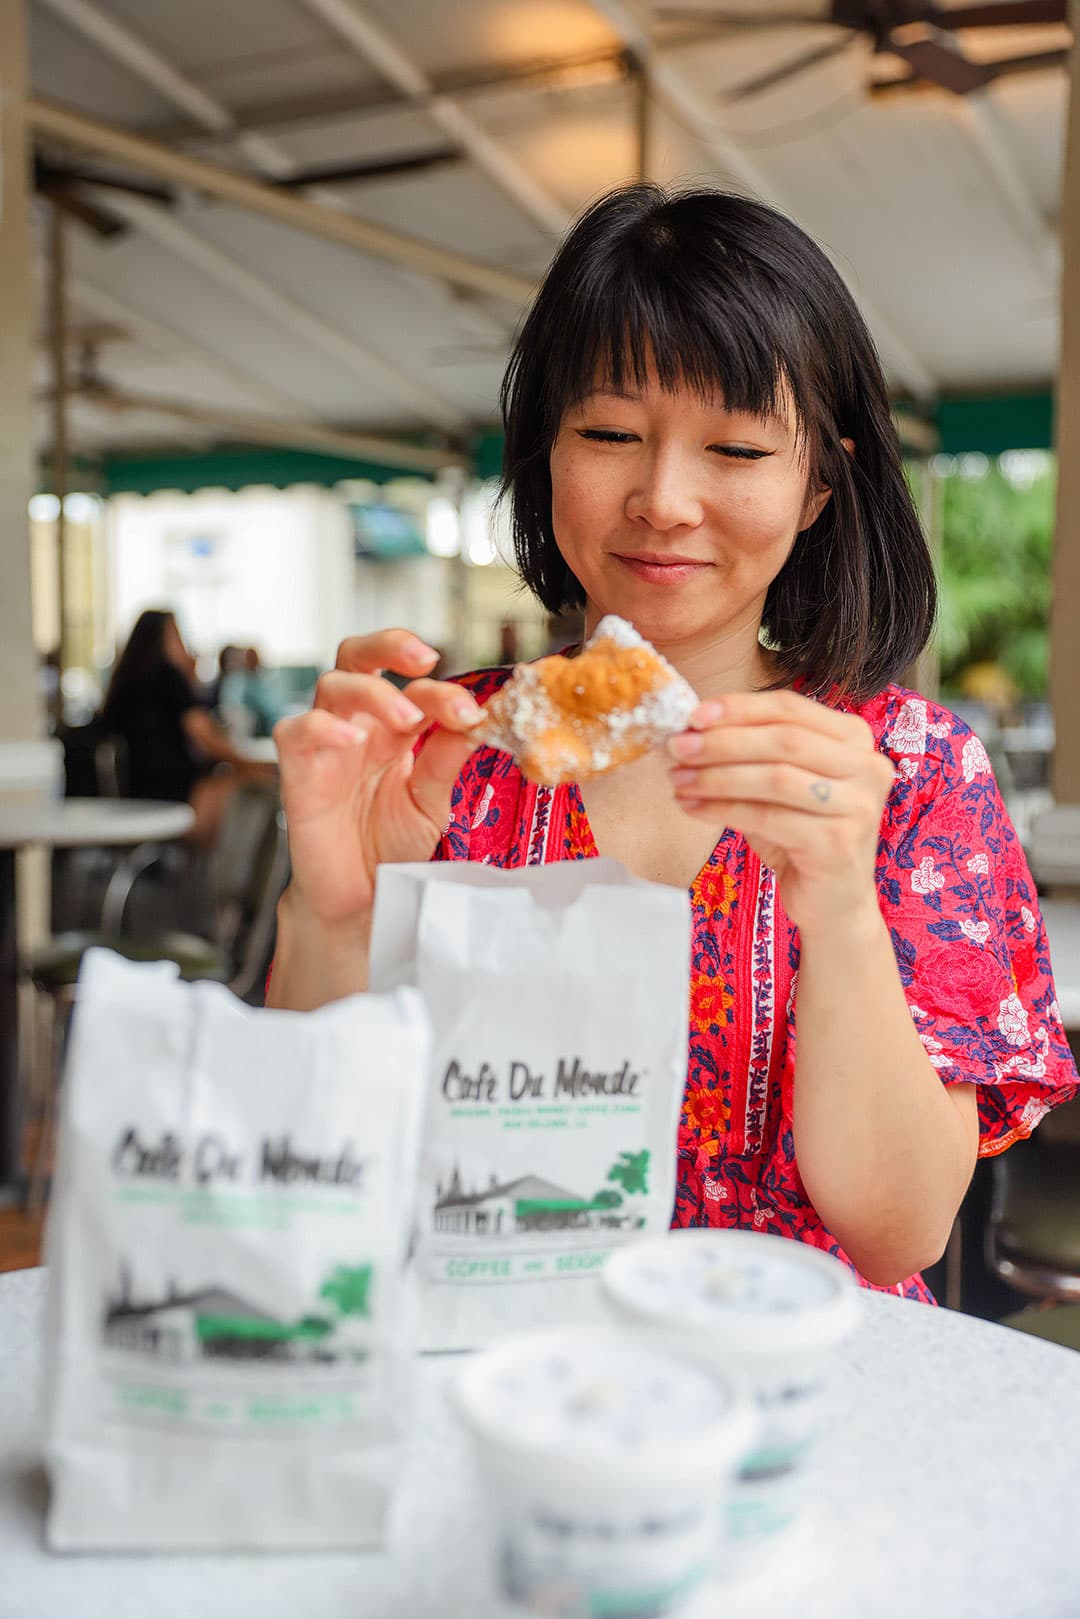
(1006, 14)
(377, 169)
(99, 220)
(144, 189)
(46, 173)
(940, 63)
(1040, 62)
(788, 70)
(742, 19)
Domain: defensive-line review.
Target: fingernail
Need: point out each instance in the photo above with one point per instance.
(407, 712)
(706, 714)
(686, 746)
(468, 713)
(419, 649)
(356, 729)
(684, 778)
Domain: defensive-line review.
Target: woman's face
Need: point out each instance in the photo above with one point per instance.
(676, 513)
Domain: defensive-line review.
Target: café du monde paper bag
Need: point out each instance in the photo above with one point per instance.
(558, 998)
(227, 1321)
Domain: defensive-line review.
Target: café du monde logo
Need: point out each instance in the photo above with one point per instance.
(210, 1322)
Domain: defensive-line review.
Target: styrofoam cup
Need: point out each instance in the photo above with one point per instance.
(768, 1312)
(605, 1463)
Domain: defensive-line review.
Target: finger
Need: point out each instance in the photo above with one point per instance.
(450, 705)
(794, 831)
(437, 767)
(349, 694)
(782, 708)
(797, 745)
(306, 734)
(786, 785)
(399, 650)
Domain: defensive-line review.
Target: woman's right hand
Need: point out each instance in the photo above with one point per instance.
(353, 791)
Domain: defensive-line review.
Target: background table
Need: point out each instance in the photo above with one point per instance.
(950, 1493)
(66, 823)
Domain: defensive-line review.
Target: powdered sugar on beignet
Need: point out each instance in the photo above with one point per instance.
(565, 719)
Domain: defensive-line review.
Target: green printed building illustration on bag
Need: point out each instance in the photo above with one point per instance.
(530, 1204)
(216, 1323)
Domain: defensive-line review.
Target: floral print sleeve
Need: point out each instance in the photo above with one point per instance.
(961, 909)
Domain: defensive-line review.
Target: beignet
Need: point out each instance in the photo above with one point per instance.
(565, 719)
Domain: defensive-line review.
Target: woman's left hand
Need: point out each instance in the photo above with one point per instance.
(805, 786)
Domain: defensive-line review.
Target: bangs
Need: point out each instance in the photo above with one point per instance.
(693, 315)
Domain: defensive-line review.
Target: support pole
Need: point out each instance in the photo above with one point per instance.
(643, 108)
(20, 705)
(1065, 593)
(59, 337)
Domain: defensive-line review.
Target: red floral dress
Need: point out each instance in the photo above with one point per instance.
(970, 946)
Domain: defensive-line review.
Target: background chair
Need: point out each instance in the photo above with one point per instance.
(1033, 1232)
(248, 870)
(1053, 847)
(1060, 1324)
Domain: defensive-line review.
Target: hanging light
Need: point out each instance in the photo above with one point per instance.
(443, 528)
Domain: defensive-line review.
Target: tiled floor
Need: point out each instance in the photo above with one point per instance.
(20, 1239)
(20, 1233)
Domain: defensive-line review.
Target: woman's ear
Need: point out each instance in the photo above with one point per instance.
(815, 503)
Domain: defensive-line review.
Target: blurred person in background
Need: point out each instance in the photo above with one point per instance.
(175, 749)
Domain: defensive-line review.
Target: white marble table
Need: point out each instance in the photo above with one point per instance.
(63, 823)
(950, 1493)
(1062, 918)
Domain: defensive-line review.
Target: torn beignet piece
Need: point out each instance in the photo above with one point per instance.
(565, 719)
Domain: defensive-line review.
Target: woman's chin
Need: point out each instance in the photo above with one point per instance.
(661, 622)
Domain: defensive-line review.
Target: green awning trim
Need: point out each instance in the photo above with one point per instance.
(237, 467)
(994, 423)
(488, 453)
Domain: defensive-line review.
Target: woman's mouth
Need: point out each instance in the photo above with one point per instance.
(658, 568)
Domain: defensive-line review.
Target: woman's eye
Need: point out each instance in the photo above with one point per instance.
(604, 435)
(740, 452)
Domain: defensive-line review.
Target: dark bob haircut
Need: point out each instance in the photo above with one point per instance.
(728, 297)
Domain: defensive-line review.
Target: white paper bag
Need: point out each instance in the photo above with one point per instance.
(227, 1323)
(558, 997)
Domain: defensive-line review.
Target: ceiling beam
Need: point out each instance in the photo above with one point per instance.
(377, 241)
(264, 430)
(286, 313)
(683, 104)
(375, 46)
(216, 119)
(125, 47)
(268, 157)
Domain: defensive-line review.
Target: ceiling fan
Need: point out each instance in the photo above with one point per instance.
(914, 31)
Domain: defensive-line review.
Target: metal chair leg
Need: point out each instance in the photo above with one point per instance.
(41, 1173)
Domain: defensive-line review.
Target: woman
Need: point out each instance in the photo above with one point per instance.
(173, 745)
(698, 438)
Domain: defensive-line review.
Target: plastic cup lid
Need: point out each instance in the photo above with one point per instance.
(754, 1292)
(598, 1404)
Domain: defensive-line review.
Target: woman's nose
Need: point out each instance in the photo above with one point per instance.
(663, 494)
